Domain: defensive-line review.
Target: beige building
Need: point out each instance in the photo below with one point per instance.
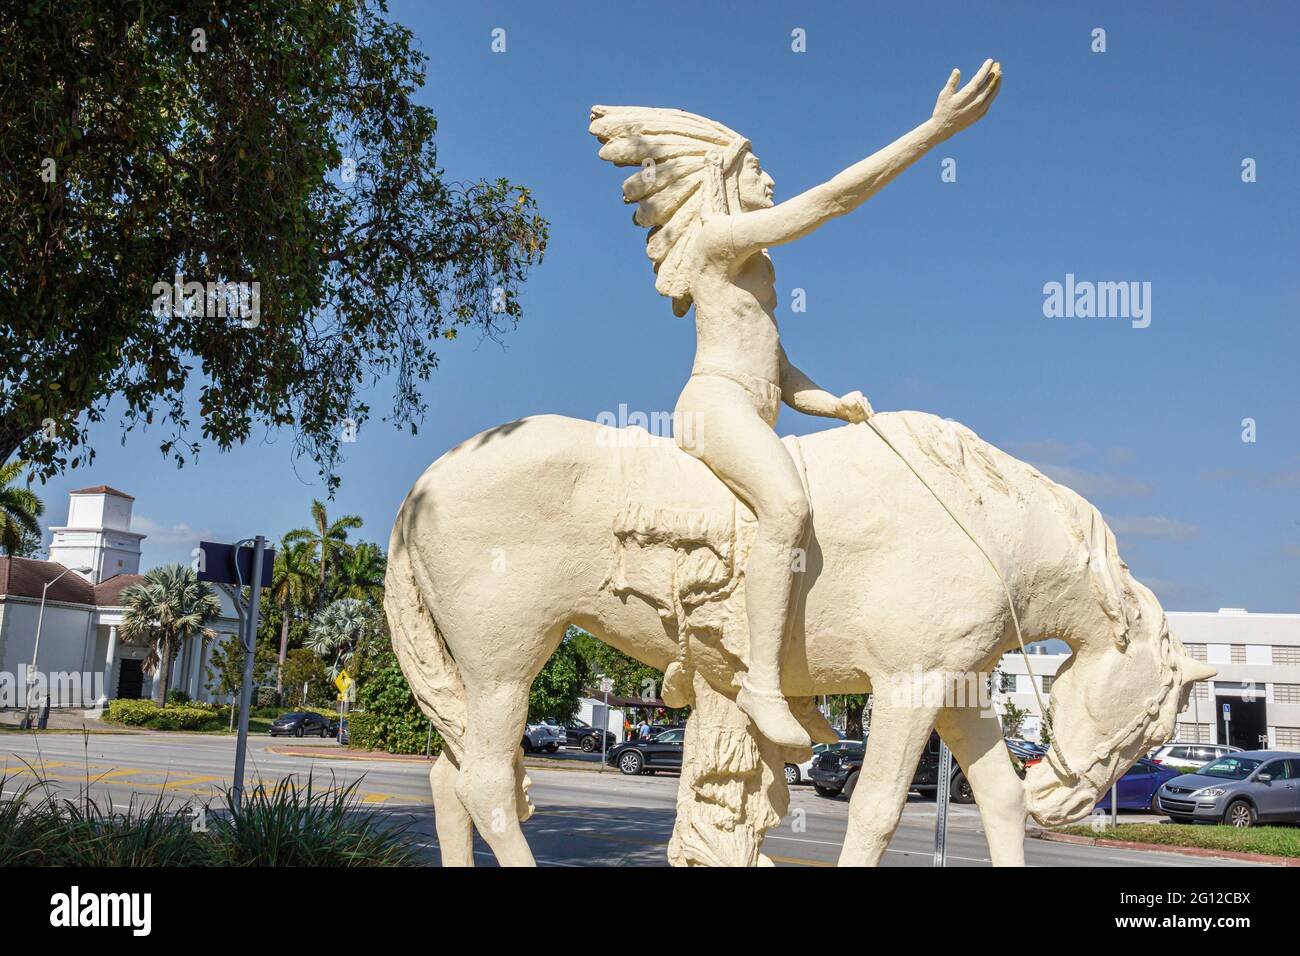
(1258, 657)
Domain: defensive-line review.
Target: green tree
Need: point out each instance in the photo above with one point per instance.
(389, 717)
(169, 606)
(361, 573)
(292, 586)
(630, 677)
(226, 665)
(337, 630)
(558, 687)
(20, 513)
(304, 667)
(327, 541)
(277, 142)
(1013, 719)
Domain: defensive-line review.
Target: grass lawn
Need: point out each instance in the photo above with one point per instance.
(1273, 840)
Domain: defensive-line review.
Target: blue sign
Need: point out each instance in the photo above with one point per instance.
(1227, 712)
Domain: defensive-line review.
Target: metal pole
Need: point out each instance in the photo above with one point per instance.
(36, 650)
(428, 740)
(1114, 804)
(941, 811)
(603, 731)
(250, 654)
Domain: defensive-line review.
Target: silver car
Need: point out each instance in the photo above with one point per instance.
(1239, 789)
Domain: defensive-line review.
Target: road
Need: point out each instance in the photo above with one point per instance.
(583, 818)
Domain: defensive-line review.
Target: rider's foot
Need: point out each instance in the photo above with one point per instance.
(814, 721)
(676, 690)
(771, 712)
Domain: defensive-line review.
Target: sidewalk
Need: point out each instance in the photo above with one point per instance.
(65, 720)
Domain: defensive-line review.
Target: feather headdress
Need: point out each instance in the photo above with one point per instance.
(685, 160)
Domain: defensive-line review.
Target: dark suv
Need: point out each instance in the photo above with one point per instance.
(836, 772)
(579, 733)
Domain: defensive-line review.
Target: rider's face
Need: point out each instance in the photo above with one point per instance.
(755, 185)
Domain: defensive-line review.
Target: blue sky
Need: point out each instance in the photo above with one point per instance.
(1115, 166)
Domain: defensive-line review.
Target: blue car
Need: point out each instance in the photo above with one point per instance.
(1139, 787)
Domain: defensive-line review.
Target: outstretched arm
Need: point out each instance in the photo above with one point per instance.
(804, 395)
(954, 111)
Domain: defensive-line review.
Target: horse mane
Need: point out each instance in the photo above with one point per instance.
(982, 470)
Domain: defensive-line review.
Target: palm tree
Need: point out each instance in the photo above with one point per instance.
(169, 606)
(292, 584)
(328, 540)
(20, 512)
(362, 572)
(336, 630)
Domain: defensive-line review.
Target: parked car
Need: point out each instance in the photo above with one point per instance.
(303, 723)
(1240, 789)
(1139, 788)
(835, 772)
(661, 752)
(1191, 756)
(542, 736)
(580, 734)
(799, 772)
(1026, 752)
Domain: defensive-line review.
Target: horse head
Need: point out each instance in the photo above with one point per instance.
(1118, 696)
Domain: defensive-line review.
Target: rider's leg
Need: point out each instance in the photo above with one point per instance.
(745, 453)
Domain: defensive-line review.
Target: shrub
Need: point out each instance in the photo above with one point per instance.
(177, 696)
(145, 713)
(287, 825)
(132, 713)
(292, 825)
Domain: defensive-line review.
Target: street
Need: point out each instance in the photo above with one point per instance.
(583, 818)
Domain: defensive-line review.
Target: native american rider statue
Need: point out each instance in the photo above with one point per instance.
(708, 204)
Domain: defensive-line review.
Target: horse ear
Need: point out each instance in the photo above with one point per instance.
(1194, 670)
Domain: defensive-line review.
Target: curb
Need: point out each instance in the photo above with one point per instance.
(1196, 851)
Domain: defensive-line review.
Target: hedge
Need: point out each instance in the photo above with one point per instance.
(145, 713)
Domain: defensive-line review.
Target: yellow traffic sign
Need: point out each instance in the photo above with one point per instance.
(343, 682)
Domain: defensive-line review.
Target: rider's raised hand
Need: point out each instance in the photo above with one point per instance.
(958, 108)
(854, 408)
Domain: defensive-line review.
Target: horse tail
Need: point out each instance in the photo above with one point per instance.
(421, 647)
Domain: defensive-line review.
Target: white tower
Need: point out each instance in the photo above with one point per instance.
(98, 534)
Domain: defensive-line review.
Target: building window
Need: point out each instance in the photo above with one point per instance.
(1286, 655)
(1008, 683)
(1197, 651)
(1193, 734)
(1201, 690)
(1287, 737)
(1048, 681)
(1286, 693)
(1238, 653)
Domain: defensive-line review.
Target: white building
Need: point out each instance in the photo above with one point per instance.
(93, 558)
(1258, 657)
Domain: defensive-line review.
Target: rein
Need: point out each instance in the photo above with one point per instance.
(1020, 640)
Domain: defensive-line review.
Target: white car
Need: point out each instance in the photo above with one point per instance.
(543, 736)
(1191, 756)
(798, 772)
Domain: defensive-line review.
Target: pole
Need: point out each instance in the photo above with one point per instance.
(36, 650)
(250, 653)
(1114, 804)
(428, 740)
(604, 730)
(941, 811)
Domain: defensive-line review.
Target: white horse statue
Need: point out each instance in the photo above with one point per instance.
(545, 522)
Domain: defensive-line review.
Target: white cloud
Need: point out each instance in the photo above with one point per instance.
(1154, 526)
(168, 536)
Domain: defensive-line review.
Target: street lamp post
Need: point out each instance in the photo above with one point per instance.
(36, 650)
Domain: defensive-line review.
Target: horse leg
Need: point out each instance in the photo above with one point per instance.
(976, 742)
(451, 818)
(898, 736)
(490, 780)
